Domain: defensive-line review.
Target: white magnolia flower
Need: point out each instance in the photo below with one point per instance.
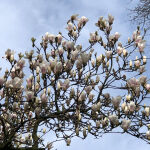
(113, 119)
(21, 63)
(116, 101)
(143, 79)
(138, 39)
(17, 82)
(119, 50)
(58, 67)
(133, 83)
(51, 37)
(148, 135)
(74, 54)
(132, 106)
(29, 95)
(125, 124)
(59, 38)
(147, 111)
(88, 89)
(110, 19)
(84, 58)
(44, 66)
(8, 53)
(84, 19)
(70, 26)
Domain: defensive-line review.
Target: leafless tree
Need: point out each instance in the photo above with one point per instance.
(141, 13)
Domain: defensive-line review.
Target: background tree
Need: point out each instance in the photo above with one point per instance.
(75, 91)
(141, 13)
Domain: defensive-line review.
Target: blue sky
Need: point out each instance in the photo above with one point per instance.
(23, 19)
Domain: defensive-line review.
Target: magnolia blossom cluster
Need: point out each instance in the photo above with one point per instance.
(140, 43)
(73, 88)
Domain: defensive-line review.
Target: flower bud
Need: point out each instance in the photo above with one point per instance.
(77, 131)
(148, 126)
(147, 111)
(88, 89)
(147, 86)
(11, 58)
(44, 98)
(44, 130)
(70, 26)
(99, 59)
(144, 60)
(84, 132)
(108, 54)
(59, 38)
(137, 63)
(123, 106)
(130, 63)
(89, 128)
(117, 59)
(37, 86)
(72, 93)
(107, 64)
(143, 80)
(117, 35)
(60, 51)
(119, 50)
(97, 79)
(68, 141)
(125, 53)
(94, 107)
(93, 62)
(128, 97)
(37, 70)
(38, 110)
(30, 114)
(15, 105)
(129, 40)
(110, 19)
(91, 96)
(98, 106)
(48, 91)
(126, 109)
(79, 117)
(82, 97)
(58, 85)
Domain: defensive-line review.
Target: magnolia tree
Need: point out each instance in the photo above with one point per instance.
(73, 91)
